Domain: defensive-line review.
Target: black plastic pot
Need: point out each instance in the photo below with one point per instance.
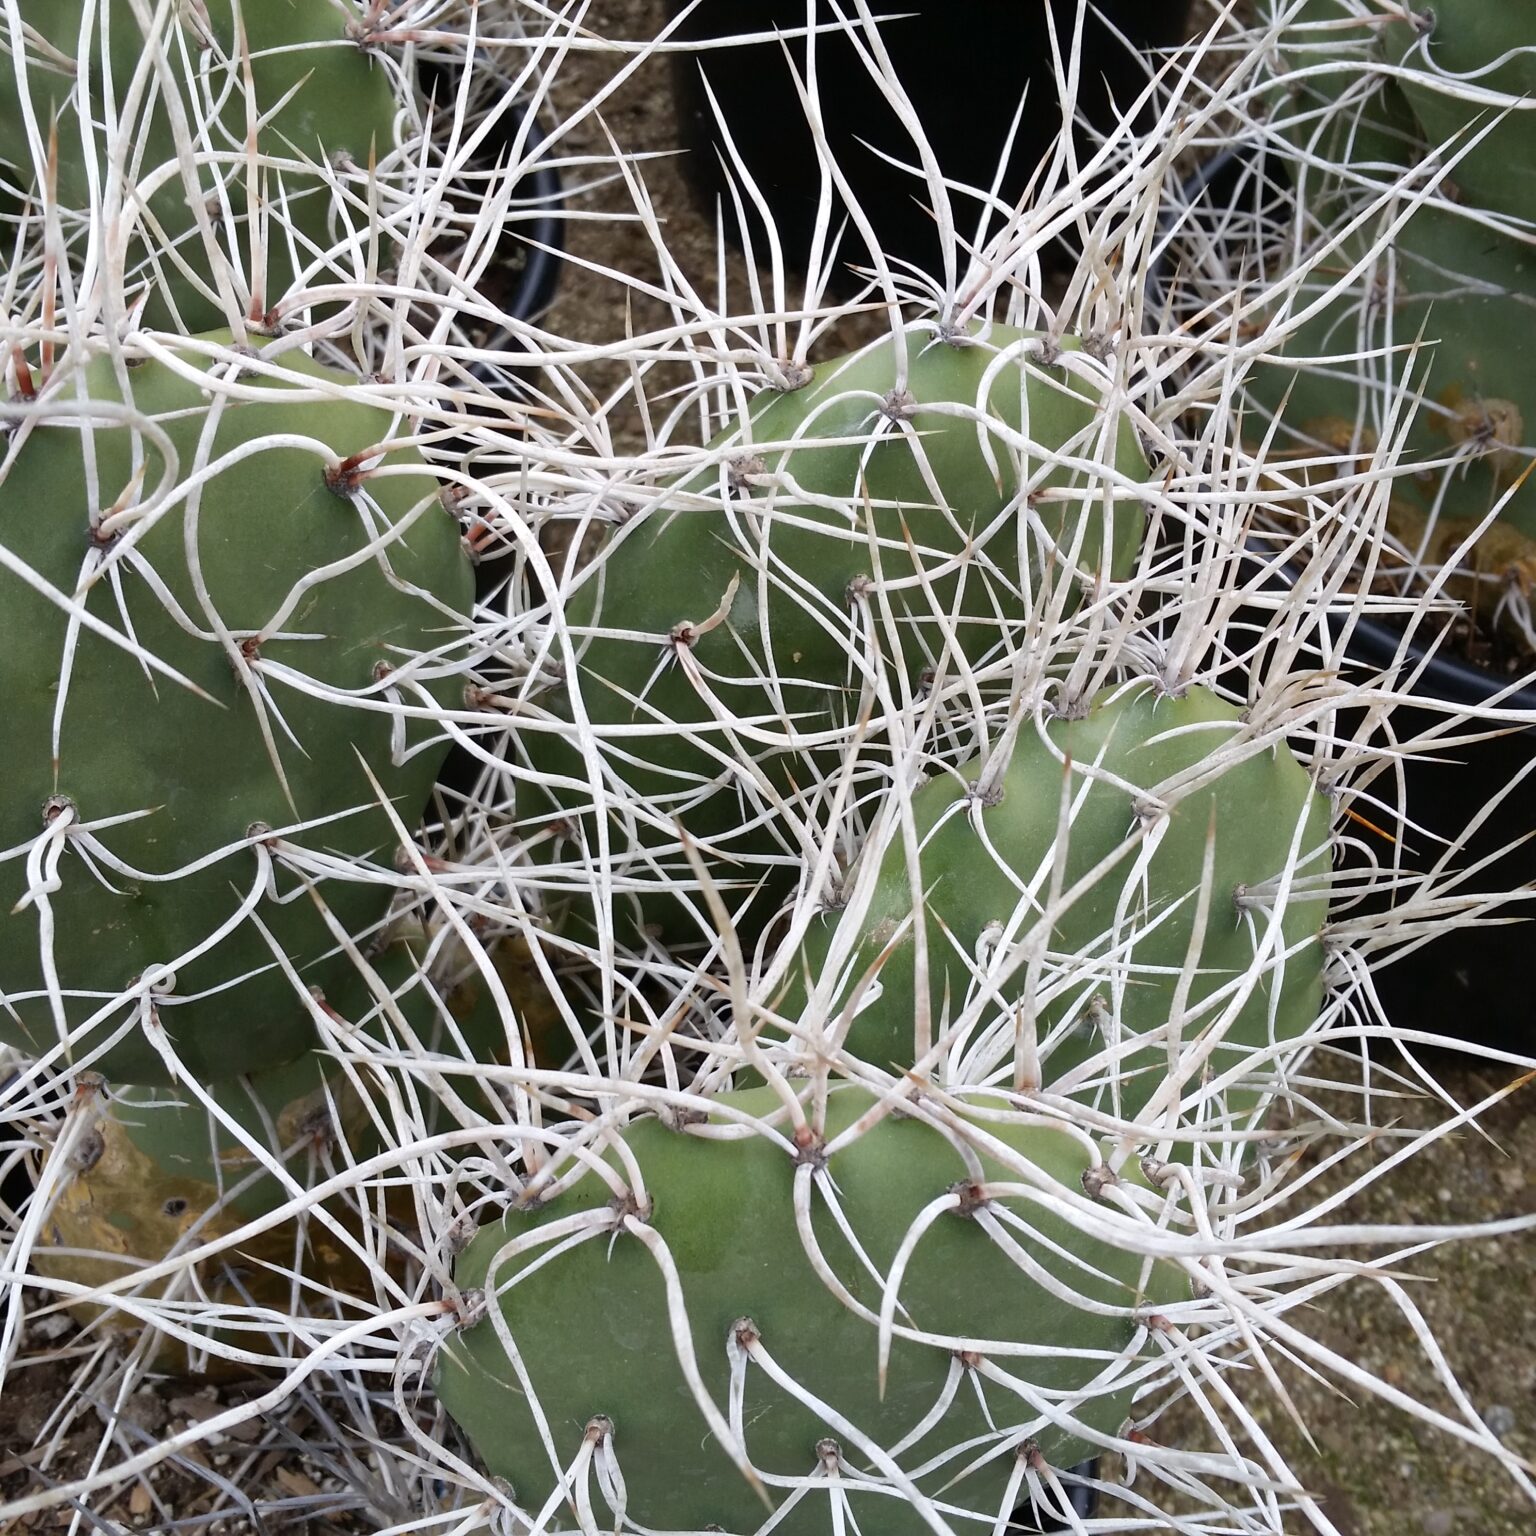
(1469, 983)
(964, 63)
(527, 252)
(15, 1179)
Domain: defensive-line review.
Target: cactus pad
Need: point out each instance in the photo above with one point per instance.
(152, 1173)
(1049, 1342)
(1106, 966)
(1471, 66)
(1466, 289)
(259, 617)
(1394, 90)
(727, 640)
(318, 96)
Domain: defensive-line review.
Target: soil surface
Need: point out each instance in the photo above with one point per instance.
(1375, 1470)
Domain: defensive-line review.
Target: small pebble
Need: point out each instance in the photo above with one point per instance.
(1439, 1522)
(145, 1409)
(1500, 1420)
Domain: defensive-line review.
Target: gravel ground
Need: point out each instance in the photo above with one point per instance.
(1375, 1470)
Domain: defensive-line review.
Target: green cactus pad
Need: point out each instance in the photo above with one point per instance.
(1467, 289)
(319, 94)
(1336, 105)
(198, 773)
(764, 572)
(1471, 64)
(1456, 274)
(301, 1101)
(590, 1323)
(1116, 956)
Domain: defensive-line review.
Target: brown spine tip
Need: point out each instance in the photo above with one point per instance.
(345, 477)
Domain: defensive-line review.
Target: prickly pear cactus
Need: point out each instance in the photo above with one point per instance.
(1094, 898)
(639, 1290)
(899, 506)
(1375, 98)
(139, 136)
(222, 594)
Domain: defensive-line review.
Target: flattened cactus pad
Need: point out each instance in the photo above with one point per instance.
(152, 1171)
(1381, 98)
(1022, 1306)
(864, 524)
(258, 613)
(317, 95)
(1112, 979)
(1460, 58)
